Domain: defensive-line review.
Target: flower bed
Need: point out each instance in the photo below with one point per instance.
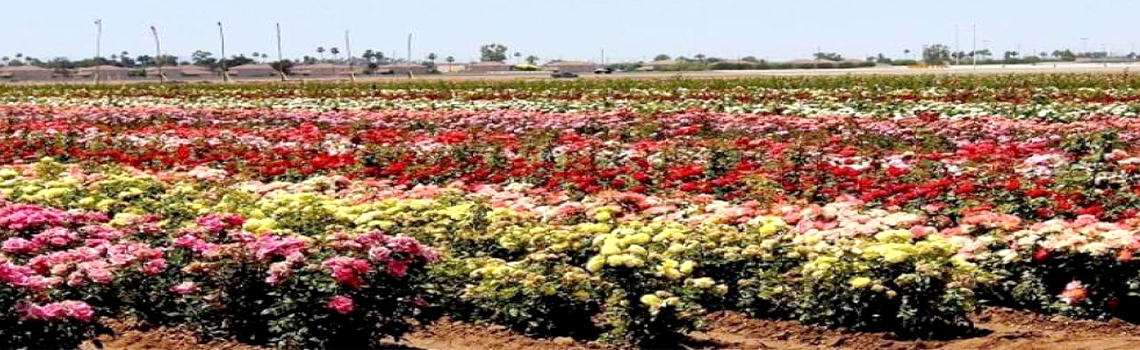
(337, 217)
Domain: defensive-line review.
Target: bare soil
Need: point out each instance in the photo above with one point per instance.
(999, 329)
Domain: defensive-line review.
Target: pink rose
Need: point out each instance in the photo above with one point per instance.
(342, 304)
(78, 310)
(186, 287)
(397, 269)
(379, 254)
(1074, 293)
(20, 245)
(44, 312)
(154, 267)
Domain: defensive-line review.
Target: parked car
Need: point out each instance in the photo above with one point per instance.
(603, 71)
(563, 75)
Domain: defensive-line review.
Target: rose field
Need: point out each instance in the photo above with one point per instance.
(781, 212)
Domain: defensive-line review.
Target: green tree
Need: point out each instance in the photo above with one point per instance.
(936, 54)
(493, 53)
(662, 57)
(285, 66)
(431, 57)
(334, 51)
(145, 60)
(321, 51)
(532, 59)
(829, 56)
(450, 59)
(203, 58)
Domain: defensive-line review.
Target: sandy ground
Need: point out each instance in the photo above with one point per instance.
(999, 329)
(725, 74)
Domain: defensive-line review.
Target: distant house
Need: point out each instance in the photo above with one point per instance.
(253, 70)
(659, 65)
(403, 68)
(105, 72)
(22, 73)
(173, 72)
(488, 66)
(451, 67)
(323, 70)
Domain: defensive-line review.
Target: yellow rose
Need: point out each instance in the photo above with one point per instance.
(768, 229)
(636, 250)
(687, 267)
(610, 249)
(596, 263)
(895, 256)
(651, 300)
(603, 216)
(703, 282)
(860, 282)
(640, 238)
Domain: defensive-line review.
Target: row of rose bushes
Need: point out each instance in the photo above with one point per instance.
(302, 265)
(1033, 169)
(959, 88)
(1041, 107)
(61, 271)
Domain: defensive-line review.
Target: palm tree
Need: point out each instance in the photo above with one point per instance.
(334, 51)
(906, 52)
(517, 55)
(532, 59)
(321, 50)
(450, 59)
(431, 57)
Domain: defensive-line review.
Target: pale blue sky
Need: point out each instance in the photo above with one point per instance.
(628, 30)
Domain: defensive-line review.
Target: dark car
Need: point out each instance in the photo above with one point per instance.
(563, 75)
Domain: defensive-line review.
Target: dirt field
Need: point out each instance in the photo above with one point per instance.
(999, 329)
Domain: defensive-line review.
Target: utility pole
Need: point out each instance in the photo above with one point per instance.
(158, 55)
(280, 59)
(974, 50)
(348, 49)
(815, 62)
(98, 48)
(957, 48)
(603, 57)
(225, 70)
(1084, 45)
(410, 55)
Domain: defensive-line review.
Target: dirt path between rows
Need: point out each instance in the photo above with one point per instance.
(1001, 329)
